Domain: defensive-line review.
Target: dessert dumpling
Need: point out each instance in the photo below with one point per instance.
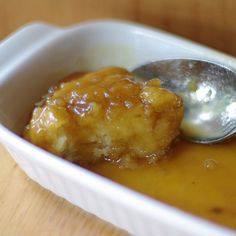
(106, 115)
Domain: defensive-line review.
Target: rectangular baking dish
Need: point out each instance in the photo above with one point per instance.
(37, 56)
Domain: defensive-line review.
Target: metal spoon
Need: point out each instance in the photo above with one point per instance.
(208, 91)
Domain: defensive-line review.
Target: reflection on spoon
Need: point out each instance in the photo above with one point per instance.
(208, 91)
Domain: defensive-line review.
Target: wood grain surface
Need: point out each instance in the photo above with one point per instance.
(211, 22)
(28, 209)
(25, 207)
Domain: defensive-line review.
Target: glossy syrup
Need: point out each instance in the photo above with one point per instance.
(199, 179)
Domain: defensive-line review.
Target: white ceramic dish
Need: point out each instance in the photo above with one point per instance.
(38, 55)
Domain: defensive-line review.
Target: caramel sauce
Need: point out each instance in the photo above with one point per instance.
(106, 114)
(199, 179)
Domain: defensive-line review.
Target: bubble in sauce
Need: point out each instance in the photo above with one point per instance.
(210, 164)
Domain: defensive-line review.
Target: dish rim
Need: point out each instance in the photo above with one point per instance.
(137, 201)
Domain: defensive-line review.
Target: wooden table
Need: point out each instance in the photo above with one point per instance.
(28, 209)
(25, 207)
(211, 22)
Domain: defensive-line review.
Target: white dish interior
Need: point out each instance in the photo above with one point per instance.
(36, 57)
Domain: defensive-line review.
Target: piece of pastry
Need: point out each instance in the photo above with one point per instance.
(106, 115)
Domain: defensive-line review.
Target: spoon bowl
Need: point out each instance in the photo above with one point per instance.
(208, 91)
